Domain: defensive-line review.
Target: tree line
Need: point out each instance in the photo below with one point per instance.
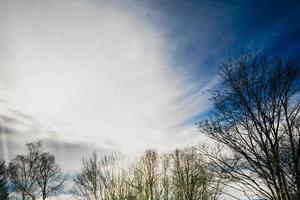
(181, 174)
(255, 129)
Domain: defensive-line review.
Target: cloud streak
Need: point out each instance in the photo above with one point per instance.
(97, 74)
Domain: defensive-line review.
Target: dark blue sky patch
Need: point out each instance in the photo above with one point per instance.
(202, 34)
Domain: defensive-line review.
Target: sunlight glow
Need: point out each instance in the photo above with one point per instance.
(99, 74)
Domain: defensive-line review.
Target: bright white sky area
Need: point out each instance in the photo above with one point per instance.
(85, 76)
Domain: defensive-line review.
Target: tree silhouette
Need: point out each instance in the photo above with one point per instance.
(22, 171)
(3, 181)
(88, 182)
(48, 175)
(256, 116)
(35, 173)
(191, 180)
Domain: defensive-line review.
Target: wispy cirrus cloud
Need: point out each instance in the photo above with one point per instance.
(94, 75)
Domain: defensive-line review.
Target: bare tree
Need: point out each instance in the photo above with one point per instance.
(166, 178)
(88, 182)
(149, 164)
(3, 181)
(145, 177)
(257, 117)
(112, 176)
(191, 180)
(136, 182)
(102, 179)
(22, 171)
(48, 175)
(35, 173)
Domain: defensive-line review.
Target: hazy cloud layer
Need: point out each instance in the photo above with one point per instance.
(92, 76)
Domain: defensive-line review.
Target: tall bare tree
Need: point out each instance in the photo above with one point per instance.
(166, 178)
(36, 173)
(257, 117)
(151, 173)
(48, 175)
(88, 182)
(22, 171)
(145, 177)
(102, 179)
(191, 180)
(112, 176)
(3, 181)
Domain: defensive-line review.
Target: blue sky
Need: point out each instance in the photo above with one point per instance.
(100, 75)
(210, 31)
(203, 34)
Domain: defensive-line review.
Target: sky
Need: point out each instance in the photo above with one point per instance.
(96, 75)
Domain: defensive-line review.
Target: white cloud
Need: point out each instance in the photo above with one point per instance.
(95, 73)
